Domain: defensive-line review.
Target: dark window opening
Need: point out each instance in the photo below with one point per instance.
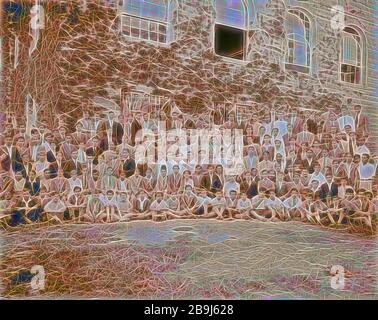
(229, 42)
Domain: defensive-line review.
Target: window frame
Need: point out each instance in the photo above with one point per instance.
(306, 22)
(244, 30)
(360, 52)
(147, 26)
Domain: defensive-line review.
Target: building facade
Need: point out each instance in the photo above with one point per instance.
(318, 48)
(199, 54)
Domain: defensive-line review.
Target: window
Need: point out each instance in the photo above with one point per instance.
(298, 36)
(231, 27)
(145, 19)
(351, 56)
(229, 42)
(232, 13)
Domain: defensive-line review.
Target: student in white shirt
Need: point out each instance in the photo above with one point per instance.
(243, 207)
(366, 172)
(202, 206)
(159, 208)
(275, 205)
(231, 185)
(293, 203)
(74, 181)
(110, 211)
(317, 174)
(55, 209)
(219, 205)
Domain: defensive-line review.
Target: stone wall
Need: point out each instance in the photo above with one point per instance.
(82, 55)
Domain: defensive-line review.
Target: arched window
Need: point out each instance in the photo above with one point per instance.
(145, 19)
(232, 13)
(298, 36)
(231, 25)
(351, 56)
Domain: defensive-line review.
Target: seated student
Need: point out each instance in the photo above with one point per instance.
(307, 209)
(17, 212)
(128, 163)
(173, 201)
(258, 208)
(41, 164)
(343, 186)
(219, 205)
(94, 181)
(56, 209)
(186, 180)
(33, 208)
(122, 183)
(162, 179)
(136, 181)
(159, 207)
(93, 209)
(108, 180)
(74, 181)
(76, 203)
(317, 174)
(231, 185)
(202, 208)
(125, 206)
(349, 206)
(149, 181)
(18, 182)
(314, 187)
(210, 181)
(293, 203)
(319, 209)
(374, 200)
(275, 205)
(110, 212)
(249, 184)
(141, 206)
(33, 184)
(188, 201)
(334, 209)
(266, 183)
(197, 176)
(231, 204)
(243, 207)
(59, 184)
(174, 179)
(364, 208)
(6, 203)
(45, 182)
(6, 183)
(328, 189)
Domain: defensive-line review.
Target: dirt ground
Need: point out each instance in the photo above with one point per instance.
(188, 259)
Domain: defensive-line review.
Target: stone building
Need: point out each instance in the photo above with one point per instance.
(319, 47)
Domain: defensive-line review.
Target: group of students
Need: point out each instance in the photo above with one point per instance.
(305, 165)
